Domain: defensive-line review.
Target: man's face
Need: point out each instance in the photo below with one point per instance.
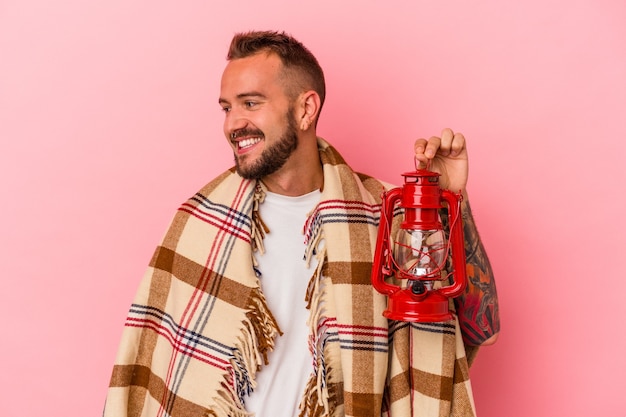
(259, 121)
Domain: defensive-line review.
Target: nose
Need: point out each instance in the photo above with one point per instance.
(233, 122)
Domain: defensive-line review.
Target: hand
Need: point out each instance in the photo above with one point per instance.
(448, 156)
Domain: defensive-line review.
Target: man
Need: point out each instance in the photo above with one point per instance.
(230, 318)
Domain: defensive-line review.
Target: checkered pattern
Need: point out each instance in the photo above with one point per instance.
(200, 329)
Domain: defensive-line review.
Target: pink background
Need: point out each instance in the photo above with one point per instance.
(109, 120)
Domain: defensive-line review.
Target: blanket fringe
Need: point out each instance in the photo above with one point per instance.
(317, 400)
(264, 325)
(259, 228)
(259, 331)
(312, 405)
(226, 407)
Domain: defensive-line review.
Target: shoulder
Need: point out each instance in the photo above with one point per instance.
(225, 179)
(227, 189)
(373, 185)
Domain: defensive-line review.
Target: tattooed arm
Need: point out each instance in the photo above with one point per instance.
(477, 308)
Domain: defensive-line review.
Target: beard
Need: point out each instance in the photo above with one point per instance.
(274, 156)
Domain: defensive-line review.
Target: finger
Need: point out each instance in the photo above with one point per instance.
(426, 149)
(447, 137)
(458, 144)
(420, 146)
(447, 134)
(421, 162)
(434, 146)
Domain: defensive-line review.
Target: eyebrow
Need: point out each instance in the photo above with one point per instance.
(244, 95)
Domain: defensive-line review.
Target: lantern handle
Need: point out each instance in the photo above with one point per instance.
(383, 256)
(417, 163)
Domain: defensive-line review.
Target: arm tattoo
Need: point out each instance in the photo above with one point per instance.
(477, 308)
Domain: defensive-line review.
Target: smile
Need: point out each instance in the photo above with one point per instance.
(246, 143)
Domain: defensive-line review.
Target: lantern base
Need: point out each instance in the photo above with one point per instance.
(424, 308)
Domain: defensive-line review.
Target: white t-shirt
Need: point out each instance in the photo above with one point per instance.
(284, 279)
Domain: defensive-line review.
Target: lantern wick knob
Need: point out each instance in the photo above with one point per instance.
(418, 287)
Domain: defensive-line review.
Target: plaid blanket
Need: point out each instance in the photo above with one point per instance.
(199, 329)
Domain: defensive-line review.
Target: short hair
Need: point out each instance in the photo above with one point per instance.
(292, 53)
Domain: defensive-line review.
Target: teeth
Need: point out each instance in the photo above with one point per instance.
(248, 142)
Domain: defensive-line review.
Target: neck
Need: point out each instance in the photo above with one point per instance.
(301, 174)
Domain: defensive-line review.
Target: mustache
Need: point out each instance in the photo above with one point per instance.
(246, 132)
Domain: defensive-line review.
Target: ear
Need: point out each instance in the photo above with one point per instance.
(309, 108)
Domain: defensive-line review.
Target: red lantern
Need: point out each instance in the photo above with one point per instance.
(419, 253)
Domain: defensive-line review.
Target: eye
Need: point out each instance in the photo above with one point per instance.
(225, 109)
(250, 104)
